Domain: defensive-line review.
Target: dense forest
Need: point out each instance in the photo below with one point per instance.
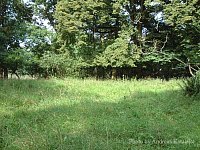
(99, 38)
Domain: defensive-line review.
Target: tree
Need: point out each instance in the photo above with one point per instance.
(99, 35)
(13, 16)
(183, 17)
(45, 9)
(93, 31)
(77, 25)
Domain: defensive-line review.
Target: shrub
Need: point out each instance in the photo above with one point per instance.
(191, 86)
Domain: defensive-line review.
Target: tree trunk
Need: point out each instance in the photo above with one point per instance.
(139, 23)
(114, 74)
(1, 72)
(5, 73)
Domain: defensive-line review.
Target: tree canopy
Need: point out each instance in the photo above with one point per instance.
(102, 38)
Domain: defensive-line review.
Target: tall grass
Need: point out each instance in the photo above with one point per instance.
(88, 114)
(191, 86)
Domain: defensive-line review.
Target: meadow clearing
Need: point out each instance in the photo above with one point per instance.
(73, 114)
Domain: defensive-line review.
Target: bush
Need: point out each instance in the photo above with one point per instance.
(191, 86)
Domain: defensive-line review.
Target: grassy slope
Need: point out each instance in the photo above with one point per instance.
(88, 114)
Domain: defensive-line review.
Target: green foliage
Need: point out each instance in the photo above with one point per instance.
(76, 25)
(120, 53)
(100, 33)
(13, 15)
(59, 65)
(45, 10)
(75, 16)
(191, 86)
(184, 18)
(18, 60)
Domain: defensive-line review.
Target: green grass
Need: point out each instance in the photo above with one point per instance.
(97, 115)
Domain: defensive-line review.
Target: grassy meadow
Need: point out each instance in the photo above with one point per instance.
(75, 114)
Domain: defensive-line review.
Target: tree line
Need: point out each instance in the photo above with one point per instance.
(100, 38)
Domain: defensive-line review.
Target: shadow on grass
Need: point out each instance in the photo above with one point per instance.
(140, 120)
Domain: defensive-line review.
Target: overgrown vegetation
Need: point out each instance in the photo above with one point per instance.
(89, 114)
(191, 85)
